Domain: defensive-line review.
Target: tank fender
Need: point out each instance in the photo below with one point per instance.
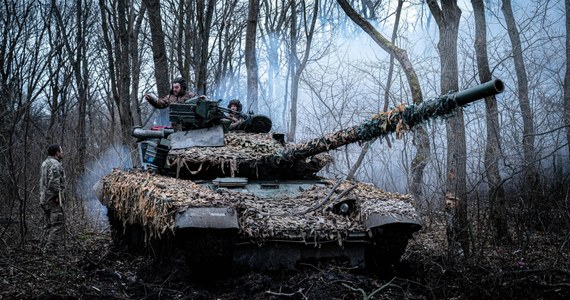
(377, 220)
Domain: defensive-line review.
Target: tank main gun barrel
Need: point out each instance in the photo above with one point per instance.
(396, 120)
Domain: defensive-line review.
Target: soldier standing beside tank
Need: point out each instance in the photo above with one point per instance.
(236, 119)
(52, 185)
(178, 94)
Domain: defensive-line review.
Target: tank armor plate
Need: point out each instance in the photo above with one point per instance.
(289, 210)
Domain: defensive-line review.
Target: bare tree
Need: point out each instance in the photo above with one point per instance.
(23, 60)
(77, 55)
(137, 18)
(496, 195)
(250, 54)
(204, 15)
(366, 145)
(115, 29)
(447, 17)
(225, 70)
(297, 65)
(567, 77)
(272, 37)
(531, 179)
(187, 33)
(158, 47)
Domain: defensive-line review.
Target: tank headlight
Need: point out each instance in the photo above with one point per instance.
(344, 208)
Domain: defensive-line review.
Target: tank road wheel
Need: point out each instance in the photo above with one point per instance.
(387, 246)
(208, 253)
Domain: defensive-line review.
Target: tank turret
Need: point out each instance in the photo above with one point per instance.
(270, 158)
(245, 197)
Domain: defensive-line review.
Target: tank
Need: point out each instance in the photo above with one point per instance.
(245, 198)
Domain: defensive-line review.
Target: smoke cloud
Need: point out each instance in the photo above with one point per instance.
(116, 156)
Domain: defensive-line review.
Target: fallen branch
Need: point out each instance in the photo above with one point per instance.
(366, 296)
(300, 291)
(333, 189)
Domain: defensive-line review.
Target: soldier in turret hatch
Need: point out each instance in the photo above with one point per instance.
(178, 94)
(237, 119)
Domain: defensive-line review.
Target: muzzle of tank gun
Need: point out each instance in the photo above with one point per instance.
(446, 104)
(489, 88)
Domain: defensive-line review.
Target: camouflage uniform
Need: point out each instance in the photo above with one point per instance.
(168, 99)
(52, 184)
(236, 119)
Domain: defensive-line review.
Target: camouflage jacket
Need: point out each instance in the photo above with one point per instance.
(52, 179)
(236, 121)
(167, 100)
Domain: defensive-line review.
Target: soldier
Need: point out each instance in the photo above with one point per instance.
(52, 185)
(237, 119)
(178, 94)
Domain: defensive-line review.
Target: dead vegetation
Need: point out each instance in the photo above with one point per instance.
(90, 267)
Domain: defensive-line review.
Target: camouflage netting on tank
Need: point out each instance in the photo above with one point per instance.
(239, 148)
(140, 197)
(402, 118)
(152, 201)
(397, 120)
(379, 125)
(309, 216)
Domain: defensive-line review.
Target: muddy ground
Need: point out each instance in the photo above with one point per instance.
(91, 267)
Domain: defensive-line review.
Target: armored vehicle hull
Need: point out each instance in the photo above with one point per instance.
(260, 224)
(249, 199)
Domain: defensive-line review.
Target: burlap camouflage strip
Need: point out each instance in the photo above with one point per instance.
(239, 148)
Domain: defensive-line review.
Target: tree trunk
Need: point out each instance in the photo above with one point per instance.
(118, 57)
(78, 59)
(185, 40)
(158, 47)
(271, 28)
(204, 24)
(447, 18)
(567, 77)
(496, 194)
(297, 64)
(124, 76)
(136, 68)
(81, 77)
(293, 65)
(529, 168)
(400, 54)
(250, 54)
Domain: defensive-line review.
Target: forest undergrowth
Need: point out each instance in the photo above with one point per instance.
(91, 267)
